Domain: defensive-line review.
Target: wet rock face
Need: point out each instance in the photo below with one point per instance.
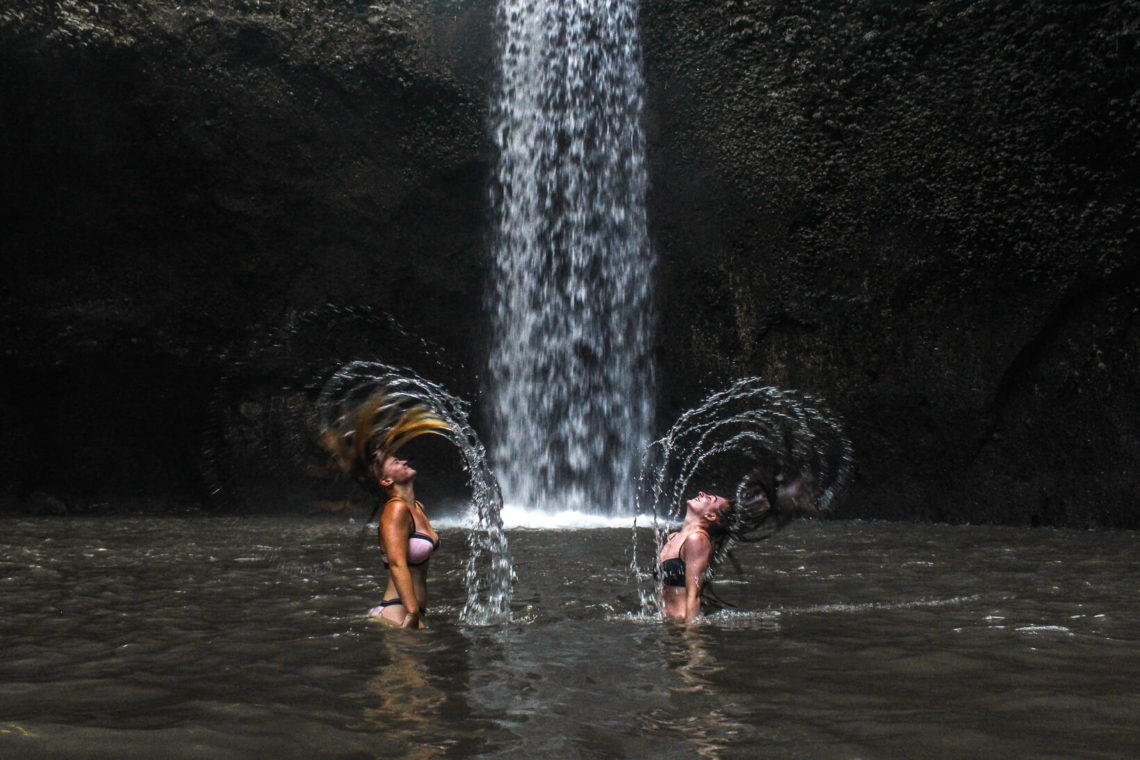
(924, 213)
(185, 182)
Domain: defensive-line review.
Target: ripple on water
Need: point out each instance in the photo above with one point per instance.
(840, 654)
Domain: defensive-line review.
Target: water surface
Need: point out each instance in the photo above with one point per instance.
(198, 637)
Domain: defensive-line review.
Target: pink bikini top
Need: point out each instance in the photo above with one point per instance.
(420, 545)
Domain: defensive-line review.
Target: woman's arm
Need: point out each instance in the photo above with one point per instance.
(698, 552)
(395, 526)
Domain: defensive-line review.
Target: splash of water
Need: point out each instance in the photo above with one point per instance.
(746, 437)
(571, 379)
(489, 573)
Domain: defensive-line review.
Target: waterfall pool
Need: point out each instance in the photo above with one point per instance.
(219, 637)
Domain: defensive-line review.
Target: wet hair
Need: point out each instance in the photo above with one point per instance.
(721, 530)
(375, 430)
(765, 502)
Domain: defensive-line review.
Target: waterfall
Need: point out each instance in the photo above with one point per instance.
(571, 383)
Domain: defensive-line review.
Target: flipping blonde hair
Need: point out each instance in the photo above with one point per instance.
(376, 429)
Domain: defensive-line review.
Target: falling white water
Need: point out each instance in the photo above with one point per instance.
(570, 377)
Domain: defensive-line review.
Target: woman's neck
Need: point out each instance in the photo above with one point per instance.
(692, 522)
(403, 492)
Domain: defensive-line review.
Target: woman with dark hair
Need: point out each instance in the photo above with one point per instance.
(408, 540)
(686, 556)
(710, 526)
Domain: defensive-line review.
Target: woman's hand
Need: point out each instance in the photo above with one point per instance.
(412, 620)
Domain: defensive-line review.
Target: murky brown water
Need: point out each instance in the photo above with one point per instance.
(172, 637)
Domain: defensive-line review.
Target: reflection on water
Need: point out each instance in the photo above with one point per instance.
(401, 702)
(248, 637)
(705, 728)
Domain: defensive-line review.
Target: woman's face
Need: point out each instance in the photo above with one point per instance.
(706, 505)
(396, 471)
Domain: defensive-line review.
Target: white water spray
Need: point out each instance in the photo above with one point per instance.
(489, 573)
(571, 380)
(747, 439)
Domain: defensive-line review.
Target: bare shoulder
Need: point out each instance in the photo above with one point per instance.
(395, 509)
(698, 540)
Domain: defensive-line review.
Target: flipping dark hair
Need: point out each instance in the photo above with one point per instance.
(766, 499)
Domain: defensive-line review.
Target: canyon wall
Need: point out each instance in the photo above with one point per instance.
(923, 213)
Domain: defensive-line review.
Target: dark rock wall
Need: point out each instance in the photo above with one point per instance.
(926, 213)
(185, 181)
(923, 212)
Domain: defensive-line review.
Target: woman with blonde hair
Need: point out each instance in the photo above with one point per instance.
(381, 426)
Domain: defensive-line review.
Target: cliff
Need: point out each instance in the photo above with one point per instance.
(924, 213)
